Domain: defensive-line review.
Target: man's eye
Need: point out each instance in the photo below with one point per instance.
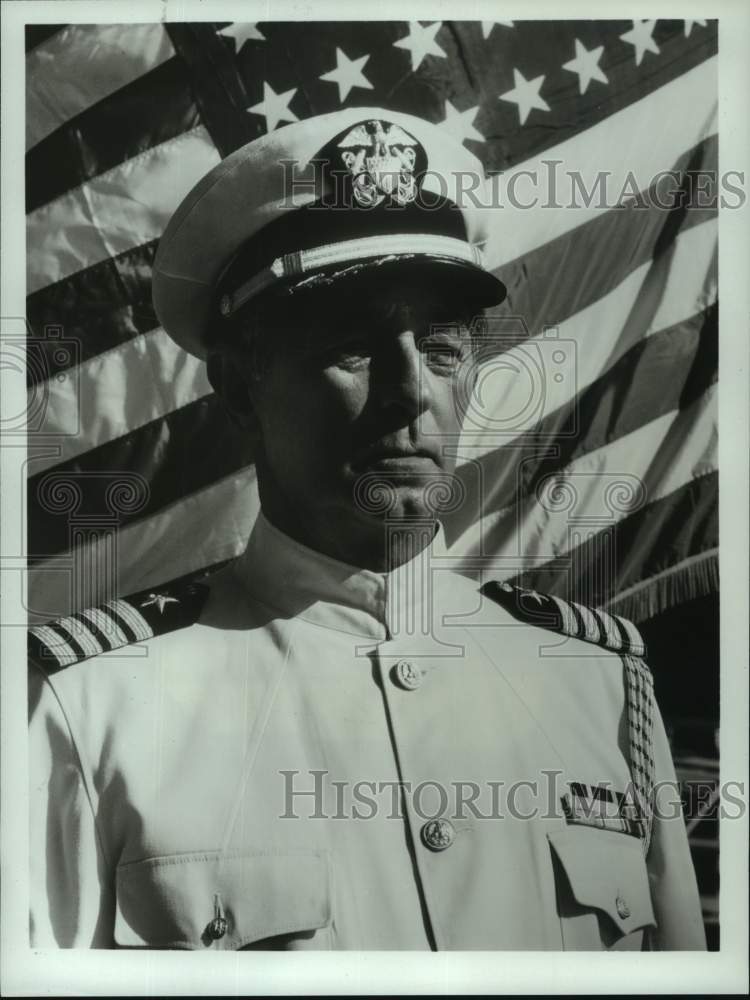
(443, 355)
(349, 353)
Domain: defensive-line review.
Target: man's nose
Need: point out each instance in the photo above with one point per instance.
(402, 379)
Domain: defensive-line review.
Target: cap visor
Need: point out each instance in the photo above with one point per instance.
(480, 287)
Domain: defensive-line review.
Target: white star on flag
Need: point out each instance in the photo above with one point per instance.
(487, 27)
(241, 33)
(525, 94)
(275, 107)
(421, 42)
(460, 123)
(689, 25)
(586, 65)
(640, 37)
(348, 74)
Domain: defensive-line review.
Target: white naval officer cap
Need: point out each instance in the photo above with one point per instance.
(317, 202)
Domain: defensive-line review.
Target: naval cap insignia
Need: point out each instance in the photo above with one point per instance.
(383, 161)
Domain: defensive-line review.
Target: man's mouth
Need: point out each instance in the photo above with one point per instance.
(393, 456)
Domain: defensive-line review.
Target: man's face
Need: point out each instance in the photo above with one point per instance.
(363, 387)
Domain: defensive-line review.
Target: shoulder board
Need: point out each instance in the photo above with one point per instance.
(610, 632)
(568, 618)
(114, 624)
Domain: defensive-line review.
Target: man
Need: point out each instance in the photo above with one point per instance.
(337, 741)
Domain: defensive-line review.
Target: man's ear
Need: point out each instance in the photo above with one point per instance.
(232, 385)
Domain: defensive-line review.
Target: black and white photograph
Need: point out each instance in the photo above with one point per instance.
(361, 497)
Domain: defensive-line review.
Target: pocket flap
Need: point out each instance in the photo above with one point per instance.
(169, 902)
(606, 872)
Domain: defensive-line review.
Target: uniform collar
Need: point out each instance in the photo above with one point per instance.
(299, 582)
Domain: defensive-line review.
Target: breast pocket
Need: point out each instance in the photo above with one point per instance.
(602, 888)
(210, 900)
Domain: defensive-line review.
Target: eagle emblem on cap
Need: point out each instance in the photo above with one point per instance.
(380, 157)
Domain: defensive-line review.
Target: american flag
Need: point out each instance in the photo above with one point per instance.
(590, 456)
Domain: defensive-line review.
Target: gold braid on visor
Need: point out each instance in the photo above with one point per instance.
(291, 265)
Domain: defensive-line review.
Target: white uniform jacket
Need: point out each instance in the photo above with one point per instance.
(334, 758)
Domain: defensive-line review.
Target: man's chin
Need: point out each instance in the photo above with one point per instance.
(415, 490)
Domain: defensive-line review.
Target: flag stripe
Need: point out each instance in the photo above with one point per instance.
(101, 401)
(162, 452)
(116, 211)
(83, 63)
(609, 248)
(217, 84)
(599, 152)
(155, 550)
(651, 299)
(97, 308)
(677, 365)
(667, 372)
(662, 455)
(601, 487)
(152, 109)
(656, 538)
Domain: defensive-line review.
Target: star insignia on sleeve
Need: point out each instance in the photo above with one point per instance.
(160, 600)
(533, 595)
